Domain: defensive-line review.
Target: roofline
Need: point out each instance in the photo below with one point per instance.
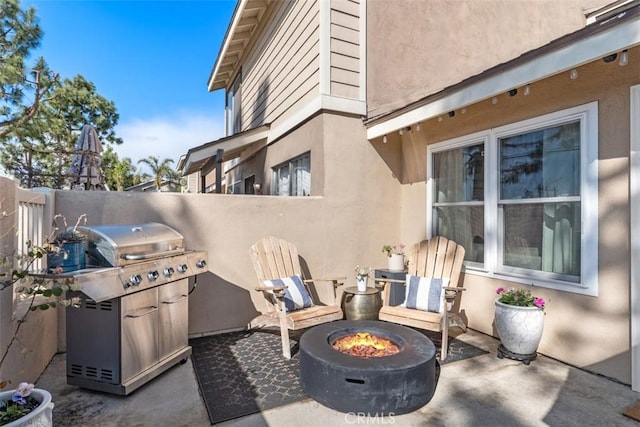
(237, 14)
(580, 47)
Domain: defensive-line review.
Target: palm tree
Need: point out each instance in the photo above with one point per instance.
(159, 170)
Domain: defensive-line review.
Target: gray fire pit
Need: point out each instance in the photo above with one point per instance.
(388, 385)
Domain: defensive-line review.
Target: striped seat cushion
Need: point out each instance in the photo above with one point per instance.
(296, 295)
(424, 293)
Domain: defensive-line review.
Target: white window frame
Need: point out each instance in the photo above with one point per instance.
(232, 107)
(275, 185)
(587, 114)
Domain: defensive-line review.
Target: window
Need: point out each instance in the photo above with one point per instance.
(232, 108)
(522, 199)
(292, 178)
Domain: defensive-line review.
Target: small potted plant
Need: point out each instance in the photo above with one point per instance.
(362, 276)
(395, 254)
(69, 247)
(519, 317)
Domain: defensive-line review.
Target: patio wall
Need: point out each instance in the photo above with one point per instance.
(358, 213)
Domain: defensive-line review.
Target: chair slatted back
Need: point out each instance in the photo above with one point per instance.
(437, 258)
(274, 258)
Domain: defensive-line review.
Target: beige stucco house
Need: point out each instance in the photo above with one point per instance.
(511, 129)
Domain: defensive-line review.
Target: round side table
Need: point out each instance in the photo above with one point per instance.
(358, 305)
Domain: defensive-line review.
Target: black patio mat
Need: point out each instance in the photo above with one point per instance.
(242, 373)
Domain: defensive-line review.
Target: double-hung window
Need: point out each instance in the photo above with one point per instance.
(292, 178)
(522, 199)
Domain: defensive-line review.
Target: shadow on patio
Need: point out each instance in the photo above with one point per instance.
(480, 391)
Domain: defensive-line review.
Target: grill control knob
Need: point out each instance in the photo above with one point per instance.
(182, 268)
(201, 263)
(169, 271)
(153, 275)
(135, 279)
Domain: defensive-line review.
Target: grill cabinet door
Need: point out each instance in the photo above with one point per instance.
(174, 317)
(139, 332)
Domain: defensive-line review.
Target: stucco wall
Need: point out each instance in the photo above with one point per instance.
(347, 226)
(419, 47)
(591, 332)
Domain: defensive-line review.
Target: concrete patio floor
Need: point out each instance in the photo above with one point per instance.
(481, 391)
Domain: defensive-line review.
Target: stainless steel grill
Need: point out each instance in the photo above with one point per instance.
(132, 324)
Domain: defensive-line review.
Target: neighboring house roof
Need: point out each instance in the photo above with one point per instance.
(200, 158)
(150, 186)
(246, 19)
(595, 41)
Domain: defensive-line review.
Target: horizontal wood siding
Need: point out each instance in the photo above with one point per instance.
(345, 49)
(283, 66)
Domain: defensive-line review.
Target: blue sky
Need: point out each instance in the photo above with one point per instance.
(151, 58)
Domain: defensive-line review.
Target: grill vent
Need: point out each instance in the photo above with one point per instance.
(104, 305)
(92, 372)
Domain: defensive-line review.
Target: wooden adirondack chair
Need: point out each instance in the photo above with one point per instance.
(273, 259)
(436, 258)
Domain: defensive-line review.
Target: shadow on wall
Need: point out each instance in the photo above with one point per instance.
(217, 305)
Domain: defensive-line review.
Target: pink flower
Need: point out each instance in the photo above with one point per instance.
(539, 302)
(499, 291)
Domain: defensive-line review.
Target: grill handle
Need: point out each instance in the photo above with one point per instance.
(175, 300)
(135, 316)
(139, 257)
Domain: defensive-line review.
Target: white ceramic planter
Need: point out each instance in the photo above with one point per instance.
(396, 262)
(42, 416)
(362, 284)
(519, 328)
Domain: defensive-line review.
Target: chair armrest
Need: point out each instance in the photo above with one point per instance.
(277, 290)
(337, 281)
(381, 283)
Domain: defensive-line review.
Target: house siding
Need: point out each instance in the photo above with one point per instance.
(418, 47)
(345, 49)
(282, 68)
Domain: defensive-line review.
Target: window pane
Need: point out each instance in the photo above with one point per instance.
(464, 225)
(543, 237)
(543, 163)
(459, 174)
(283, 181)
(301, 176)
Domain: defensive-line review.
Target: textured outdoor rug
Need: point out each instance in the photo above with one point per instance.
(242, 373)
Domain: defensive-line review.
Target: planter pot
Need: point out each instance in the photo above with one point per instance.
(520, 330)
(42, 416)
(396, 262)
(71, 257)
(362, 284)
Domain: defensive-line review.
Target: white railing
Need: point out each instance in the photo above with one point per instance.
(30, 227)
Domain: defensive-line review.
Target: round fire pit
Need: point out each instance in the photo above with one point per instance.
(387, 385)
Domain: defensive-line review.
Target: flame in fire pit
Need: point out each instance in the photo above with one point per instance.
(365, 345)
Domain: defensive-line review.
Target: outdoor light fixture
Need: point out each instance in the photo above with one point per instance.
(573, 74)
(624, 58)
(400, 131)
(513, 92)
(439, 118)
(418, 127)
(494, 100)
(527, 90)
(464, 110)
(257, 187)
(610, 58)
(384, 139)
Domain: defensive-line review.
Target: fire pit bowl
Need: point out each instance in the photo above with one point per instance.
(387, 385)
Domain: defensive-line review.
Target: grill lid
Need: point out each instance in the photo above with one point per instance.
(119, 245)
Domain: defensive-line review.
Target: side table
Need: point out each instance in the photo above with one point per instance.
(363, 305)
(396, 290)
